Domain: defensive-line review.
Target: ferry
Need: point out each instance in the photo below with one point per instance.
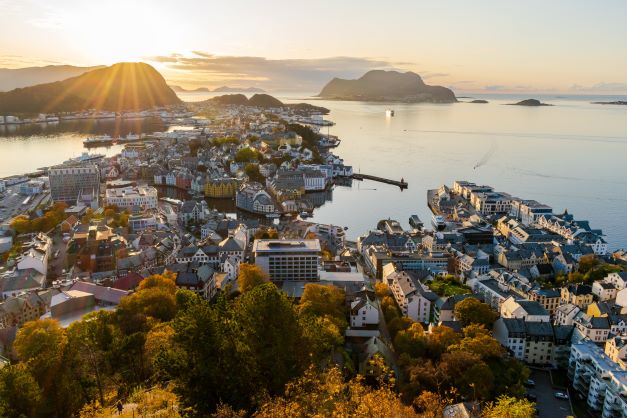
(131, 138)
(85, 157)
(98, 140)
(438, 222)
(389, 113)
(329, 141)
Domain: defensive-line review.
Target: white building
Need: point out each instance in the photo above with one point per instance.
(602, 382)
(288, 260)
(604, 290)
(566, 314)
(528, 310)
(36, 254)
(413, 298)
(364, 313)
(144, 197)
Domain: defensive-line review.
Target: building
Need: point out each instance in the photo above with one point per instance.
(598, 379)
(67, 183)
(604, 290)
(415, 300)
(579, 295)
(288, 260)
(364, 313)
(221, 188)
(95, 248)
(144, 197)
(548, 298)
(251, 197)
(616, 350)
(32, 187)
(531, 342)
(529, 211)
(36, 253)
(528, 310)
(566, 314)
(192, 211)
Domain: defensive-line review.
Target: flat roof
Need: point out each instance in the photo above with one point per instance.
(276, 245)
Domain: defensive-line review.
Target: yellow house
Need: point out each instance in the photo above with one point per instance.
(579, 295)
(221, 188)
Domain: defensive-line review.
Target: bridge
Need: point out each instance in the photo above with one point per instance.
(402, 183)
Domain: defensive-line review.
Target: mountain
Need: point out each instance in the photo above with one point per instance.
(379, 85)
(264, 100)
(15, 78)
(123, 86)
(227, 89)
(230, 99)
(180, 89)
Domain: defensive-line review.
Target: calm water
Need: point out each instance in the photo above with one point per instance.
(571, 155)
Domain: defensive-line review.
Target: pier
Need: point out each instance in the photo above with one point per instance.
(402, 184)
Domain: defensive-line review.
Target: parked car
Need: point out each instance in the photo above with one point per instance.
(531, 397)
(530, 383)
(561, 395)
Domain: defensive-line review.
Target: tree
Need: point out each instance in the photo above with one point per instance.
(439, 340)
(509, 407)
(587, 263)
(134, 311)
(250, 275)
(41, 344)
(431, 405)
(477, 341)
(327, 394)
(468, 374)
(323, 300)
(19, 393)
(411, 341)
(472, 311)
(164, 281)
(246, 155)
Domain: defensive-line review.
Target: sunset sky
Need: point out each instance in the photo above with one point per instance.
(570, 46)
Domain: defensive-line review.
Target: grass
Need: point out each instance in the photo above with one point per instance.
(448, 286)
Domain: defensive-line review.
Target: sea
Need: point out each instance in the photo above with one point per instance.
(571, 155)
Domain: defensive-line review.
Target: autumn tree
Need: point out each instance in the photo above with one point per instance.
(250, 275)
(19, 392)
(472, 311)
(509, 407)
(166, 281)
(411, 341)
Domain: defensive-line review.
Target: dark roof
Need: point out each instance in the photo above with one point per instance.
(533, 307)
(579, 289)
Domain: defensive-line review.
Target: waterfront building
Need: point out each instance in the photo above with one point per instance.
(251, 197)
(288, 260)
(221, 188)
(67, 183)
(144, 197)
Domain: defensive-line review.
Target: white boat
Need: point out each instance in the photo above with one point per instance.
(130, 138)
(98, 140)
(84, 157)
(389, 113)
(304, 215)
(438, 222)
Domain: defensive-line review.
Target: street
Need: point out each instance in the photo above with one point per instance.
(547, 404)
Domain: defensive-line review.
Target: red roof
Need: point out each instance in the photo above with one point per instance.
(128, 282)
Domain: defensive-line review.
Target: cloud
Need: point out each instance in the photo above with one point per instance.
(305, 75)
(605, 87)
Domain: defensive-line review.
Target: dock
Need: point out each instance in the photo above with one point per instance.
(402, 183)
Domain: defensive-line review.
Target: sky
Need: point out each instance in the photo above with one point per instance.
(568, 46)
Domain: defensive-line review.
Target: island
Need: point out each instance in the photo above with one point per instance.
(266, 101)
(227, 89)
(481, 101)
(529, 102)
(379, 86)
(180, 89)
(122, 86)
(617, 102)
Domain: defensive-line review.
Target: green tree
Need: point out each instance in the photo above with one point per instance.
(250, 276)
(41, 344)
(411, 341)
(246, 155)
(472, 311)
(477, 341)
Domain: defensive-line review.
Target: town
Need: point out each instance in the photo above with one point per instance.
(226, 196)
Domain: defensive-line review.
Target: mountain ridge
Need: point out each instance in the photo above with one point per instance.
(14, 78)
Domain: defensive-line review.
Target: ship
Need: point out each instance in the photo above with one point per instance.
(389, 113)
(131, 138)
(98, 140)
(329, 141)
(438, 222)
(85, 157)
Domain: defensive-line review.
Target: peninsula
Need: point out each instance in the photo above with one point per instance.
(379, 85)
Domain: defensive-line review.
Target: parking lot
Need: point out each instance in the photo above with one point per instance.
(11, 203)
(547, 404)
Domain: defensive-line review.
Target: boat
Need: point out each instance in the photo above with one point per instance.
(304, 215)
(273, 215)
(85, 157)
(438, 222)
(415, 222)
(129, 138)
(98, 140)
(329, 141)
(389, 113)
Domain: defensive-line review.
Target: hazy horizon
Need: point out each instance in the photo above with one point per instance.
(566, 47)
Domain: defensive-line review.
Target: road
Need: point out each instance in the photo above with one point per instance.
(547, 404)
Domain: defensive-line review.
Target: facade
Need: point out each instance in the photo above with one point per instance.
(415, 300)
(221, 188)
(144, 197)
(599, 380)
(529, 311)
(604, 290)
(67, 183)
(531, 342)
(579, 295)
(253, 198)
(364, 313)
(36, 254)
(548, 298)
(288, 260)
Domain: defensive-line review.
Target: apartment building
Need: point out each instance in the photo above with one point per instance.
(288, 260)
(144, 197)
(415, 300)
(68, 183)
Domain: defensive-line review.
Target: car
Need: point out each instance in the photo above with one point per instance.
(530, 383)
(561, 395)
(531, 397)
